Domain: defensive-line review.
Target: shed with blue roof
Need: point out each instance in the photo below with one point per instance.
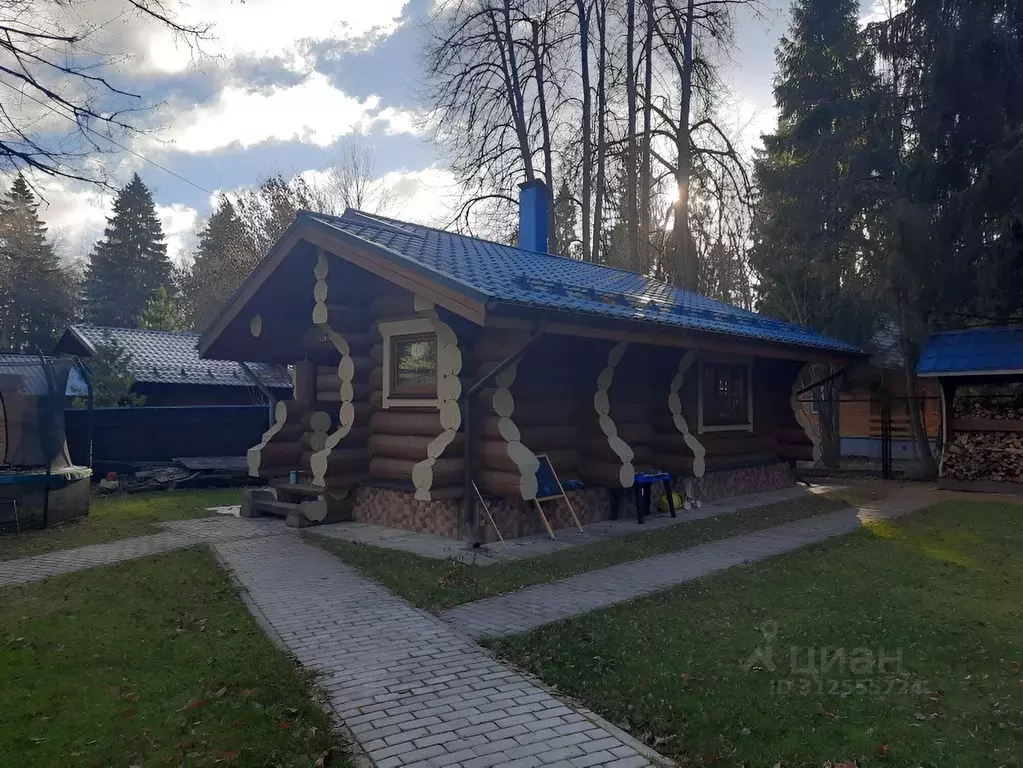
(433, 369)
(980, 373)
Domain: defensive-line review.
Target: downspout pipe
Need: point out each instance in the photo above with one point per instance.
(469, 509)
(90, 402)
(262, 388)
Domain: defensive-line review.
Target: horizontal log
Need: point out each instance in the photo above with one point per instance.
(785, 433)
(630, 412)
(376, 377)
(317, 421)
(344, 318)
(411, 447)
(791, 452)
(405, 422)
(494, 483)
(493, 454)
(376, 354)
(601, 474)
(683, 465)
(494, 346)
(715, 445)
(445, 471)
(276, 453)
(528, 412)
(361, 390)
(598, 449)
(392, 305)
(342, 461)
(314, 441)
(538, 438)
(633, 432)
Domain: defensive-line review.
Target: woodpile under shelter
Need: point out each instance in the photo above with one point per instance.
(980, 375)
(429, 364)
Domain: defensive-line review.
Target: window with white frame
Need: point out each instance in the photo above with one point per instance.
(410, 363)
(725, 395)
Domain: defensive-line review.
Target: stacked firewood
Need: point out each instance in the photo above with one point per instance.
(994, 456)
(987, 408)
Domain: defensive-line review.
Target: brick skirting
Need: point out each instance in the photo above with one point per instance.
(398, 509)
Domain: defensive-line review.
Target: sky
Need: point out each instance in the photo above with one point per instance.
(284, 84)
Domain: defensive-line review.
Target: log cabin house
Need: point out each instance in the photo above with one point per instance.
(980, 375)
(426, 362)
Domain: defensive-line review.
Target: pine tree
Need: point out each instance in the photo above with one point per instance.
(36, 290)
(221, 263)
(130, 264)
(814, 177)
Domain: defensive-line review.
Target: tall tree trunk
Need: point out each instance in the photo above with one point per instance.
(645, 169)
(545, 123)
(598, 192)
(513, 85)
(630, 155)
(587, 159)
(685, 266)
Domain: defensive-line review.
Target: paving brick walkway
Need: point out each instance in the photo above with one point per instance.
(179, 533)
(413, 690)
(527, 609)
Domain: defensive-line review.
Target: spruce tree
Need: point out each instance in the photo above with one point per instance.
(129, 265)
(36, 290)
(814, 177)
(565, 220)
(221, 262)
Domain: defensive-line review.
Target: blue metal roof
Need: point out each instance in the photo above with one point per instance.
(504, 274)
(171, 357)
(974, 351)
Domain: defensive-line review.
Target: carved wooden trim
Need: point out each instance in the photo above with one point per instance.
(449, 389)
(524, 459)
(675, 406)
(602, 404)
(345, 371)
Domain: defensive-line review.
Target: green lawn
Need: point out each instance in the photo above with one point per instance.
(118, 517)
(436, 584)
(926, 611)
(153, 662)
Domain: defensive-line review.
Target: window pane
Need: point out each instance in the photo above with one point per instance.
(415, 364)
(725, 395)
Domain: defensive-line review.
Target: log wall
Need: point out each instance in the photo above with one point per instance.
(416, 448)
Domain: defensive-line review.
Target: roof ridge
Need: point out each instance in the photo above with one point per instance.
(134, 330)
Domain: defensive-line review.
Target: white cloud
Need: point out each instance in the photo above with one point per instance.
(254, 28)
(313, 112)
(179, 230)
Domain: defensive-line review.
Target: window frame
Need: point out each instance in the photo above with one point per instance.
(716, 360)
(405, 391)
(400, 330)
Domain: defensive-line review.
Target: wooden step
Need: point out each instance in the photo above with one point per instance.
(297, 491)
(276, 508)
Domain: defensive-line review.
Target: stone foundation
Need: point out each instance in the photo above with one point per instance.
(398, 509)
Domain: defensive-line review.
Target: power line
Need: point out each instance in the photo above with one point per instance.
(94, 132)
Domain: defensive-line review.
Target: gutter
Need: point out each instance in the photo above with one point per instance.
(470, 512)
(271, 399)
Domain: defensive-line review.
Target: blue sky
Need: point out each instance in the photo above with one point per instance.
(286, 82)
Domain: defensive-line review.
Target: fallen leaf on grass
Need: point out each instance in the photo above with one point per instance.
(129, 712)
(883, 750)
(247, 691)
(284, 725)
(220, 693)
(708, 758)
(226, 756)
(194, 704)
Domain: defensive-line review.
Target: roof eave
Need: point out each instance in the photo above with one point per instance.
(660, 333)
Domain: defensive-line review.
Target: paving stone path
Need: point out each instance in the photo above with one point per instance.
(413, 690)
(521, 611)
(180, 533)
